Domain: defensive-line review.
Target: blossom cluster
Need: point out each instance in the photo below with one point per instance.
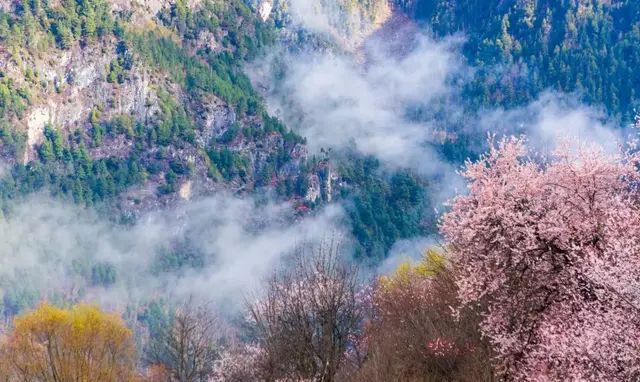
(551, 253)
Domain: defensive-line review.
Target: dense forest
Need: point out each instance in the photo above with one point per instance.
(523, 47)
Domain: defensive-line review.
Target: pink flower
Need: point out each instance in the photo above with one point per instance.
(553, 253)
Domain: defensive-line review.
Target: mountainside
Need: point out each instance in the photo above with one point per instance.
(133, 106)
(141, 104)
(108, 99)
(523, 47)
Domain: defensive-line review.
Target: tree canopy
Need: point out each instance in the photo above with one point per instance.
(551, 250)
(81, 343)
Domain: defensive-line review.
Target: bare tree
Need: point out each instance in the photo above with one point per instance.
(308, 316)
(186, 349)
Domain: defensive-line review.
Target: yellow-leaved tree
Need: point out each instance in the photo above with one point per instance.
(82, 343)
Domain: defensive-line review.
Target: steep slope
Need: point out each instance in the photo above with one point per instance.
(142, 102)
(316, 80)
(522, 47)
(131, 106)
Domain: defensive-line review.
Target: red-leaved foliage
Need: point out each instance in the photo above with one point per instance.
(553, 252)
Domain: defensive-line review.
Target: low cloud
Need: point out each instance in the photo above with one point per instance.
(398, 96)
(49, 248)
(390, 100)
(410, 250)
(554, 118)
(376, 107)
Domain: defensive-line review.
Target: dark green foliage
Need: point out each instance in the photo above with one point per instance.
(64, 24)
(169, 186)
(103, 274)
(524, 47)
(218, 73)
(302, 185)
(17, 298)
(219, 76)
(243, 33)
(12, 100)
(269, 169)
(181, 256)
(229, 164)
(181, 167)
(156, 317)
(121, 124)
(230, 134)
(12, 141)
(173, 125)
(97, 133)
(270, 126)
(273, 124)
(119, 68)
(385, 207)
(68, 170)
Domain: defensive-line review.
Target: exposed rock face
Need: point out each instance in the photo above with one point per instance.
(73, 90)
(346, 22)
(112, 147)
(329, 178)
(75, 83)
(214, 115)
(143, 11)
(314, 190)
(185, 190)
(36, 121)
(264, 10)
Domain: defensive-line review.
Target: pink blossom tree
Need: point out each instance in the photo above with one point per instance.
(551, 250)
(243, 363)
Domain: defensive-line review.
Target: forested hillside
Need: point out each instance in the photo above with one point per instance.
(98, 106)
(523, 47)
(118, 105)
(129, 109)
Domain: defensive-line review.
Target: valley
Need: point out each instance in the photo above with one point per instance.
(181, 162)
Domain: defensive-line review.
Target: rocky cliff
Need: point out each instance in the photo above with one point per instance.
(152, 88)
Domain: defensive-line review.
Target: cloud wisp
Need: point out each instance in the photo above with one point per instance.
(340, 103)
(388, 101)
(50, 249)
(399, 94)
(554, 118)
